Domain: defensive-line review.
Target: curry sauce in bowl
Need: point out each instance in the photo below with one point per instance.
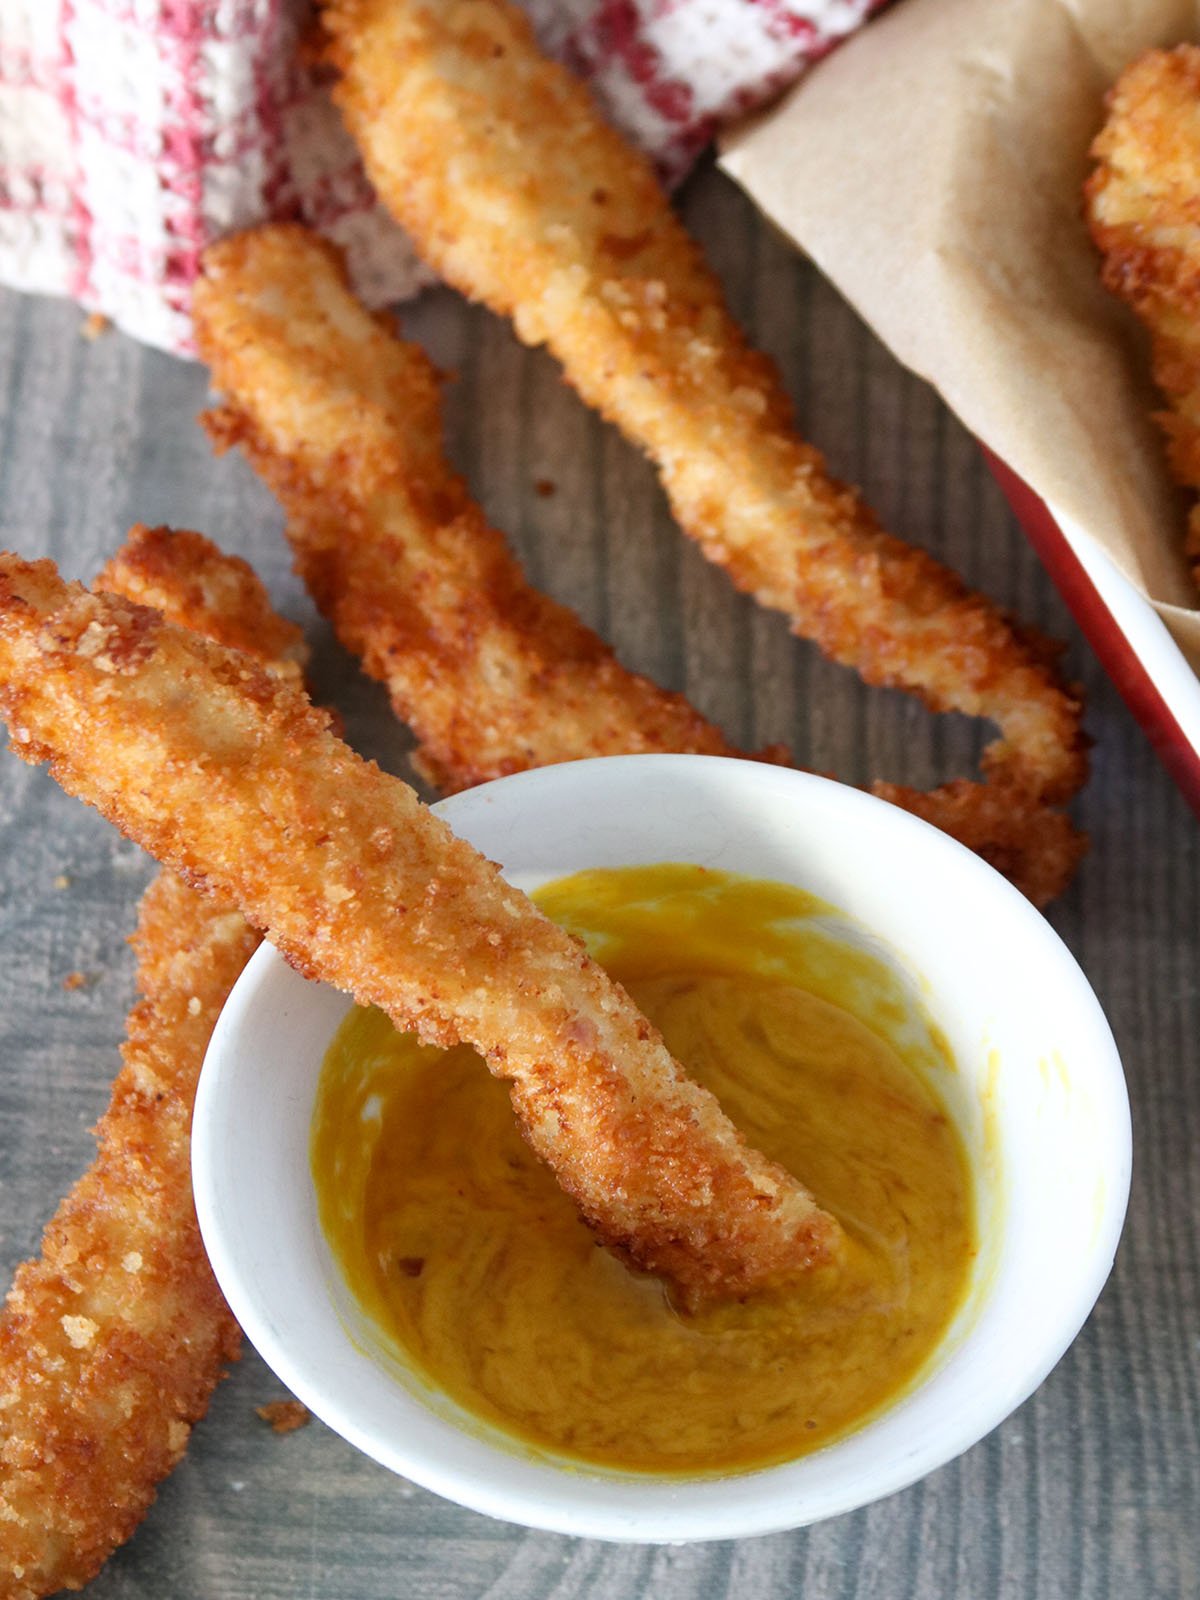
(473, 1266)
(929, 1059)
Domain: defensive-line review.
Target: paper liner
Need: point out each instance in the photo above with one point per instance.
(934, 170)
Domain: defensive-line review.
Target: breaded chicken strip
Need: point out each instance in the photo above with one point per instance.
(235, 781)
(499, 166)
(112, 1341)
(1143, 205)
(342, 419)
(195, 585)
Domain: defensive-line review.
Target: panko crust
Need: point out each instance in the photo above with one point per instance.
(234, 780)
(185, 576)
(1143, 206)
(342, 418)
(112, 1341)
(114, 1337)
(511, 185)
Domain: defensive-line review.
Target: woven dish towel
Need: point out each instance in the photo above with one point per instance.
(133, 132)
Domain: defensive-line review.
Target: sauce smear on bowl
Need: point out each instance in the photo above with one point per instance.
(477, 1272)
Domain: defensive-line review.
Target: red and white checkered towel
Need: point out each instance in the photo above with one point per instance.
(133, 132)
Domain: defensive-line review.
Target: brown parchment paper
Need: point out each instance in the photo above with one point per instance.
(933, 169)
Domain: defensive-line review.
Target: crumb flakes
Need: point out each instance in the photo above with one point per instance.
(62, 881)
(285, 1416)
(93, 325)
(94, 640)
(75, 980)
(545, 487)
(79, 1330)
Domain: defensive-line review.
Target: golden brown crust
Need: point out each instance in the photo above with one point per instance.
(1143, 206)
(234, 779)
(112, 1340)
(510, 184)
(284, 1416)
(1035, 848)
(196, 585)
(342, 419)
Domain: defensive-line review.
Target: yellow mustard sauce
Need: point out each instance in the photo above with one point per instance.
(464, 1253)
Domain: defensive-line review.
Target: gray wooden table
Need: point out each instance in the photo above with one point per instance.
(1093, 1488)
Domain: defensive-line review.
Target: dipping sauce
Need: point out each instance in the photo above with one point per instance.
(476, 1269)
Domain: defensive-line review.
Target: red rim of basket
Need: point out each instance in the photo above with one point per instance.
(1103, 633)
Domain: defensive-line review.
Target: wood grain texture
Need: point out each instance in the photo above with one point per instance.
(1090, 1490)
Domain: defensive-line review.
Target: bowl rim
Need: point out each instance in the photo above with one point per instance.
(646, 1507)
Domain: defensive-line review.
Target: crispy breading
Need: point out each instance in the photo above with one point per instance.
(112, 1340)
(342, 418)
(196, 585)
(284, 1416)
(1143, 205)
(501, 169)
(235, 780)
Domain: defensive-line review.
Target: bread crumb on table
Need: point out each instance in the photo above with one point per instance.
(285, 1416)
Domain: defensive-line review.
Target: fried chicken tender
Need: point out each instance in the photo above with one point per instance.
(197, 586)
(499, 166)
(236, 781)
(112, 1341)
(342, 418)
(1143, 206)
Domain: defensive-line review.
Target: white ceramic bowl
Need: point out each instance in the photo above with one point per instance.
(1039, 1096)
